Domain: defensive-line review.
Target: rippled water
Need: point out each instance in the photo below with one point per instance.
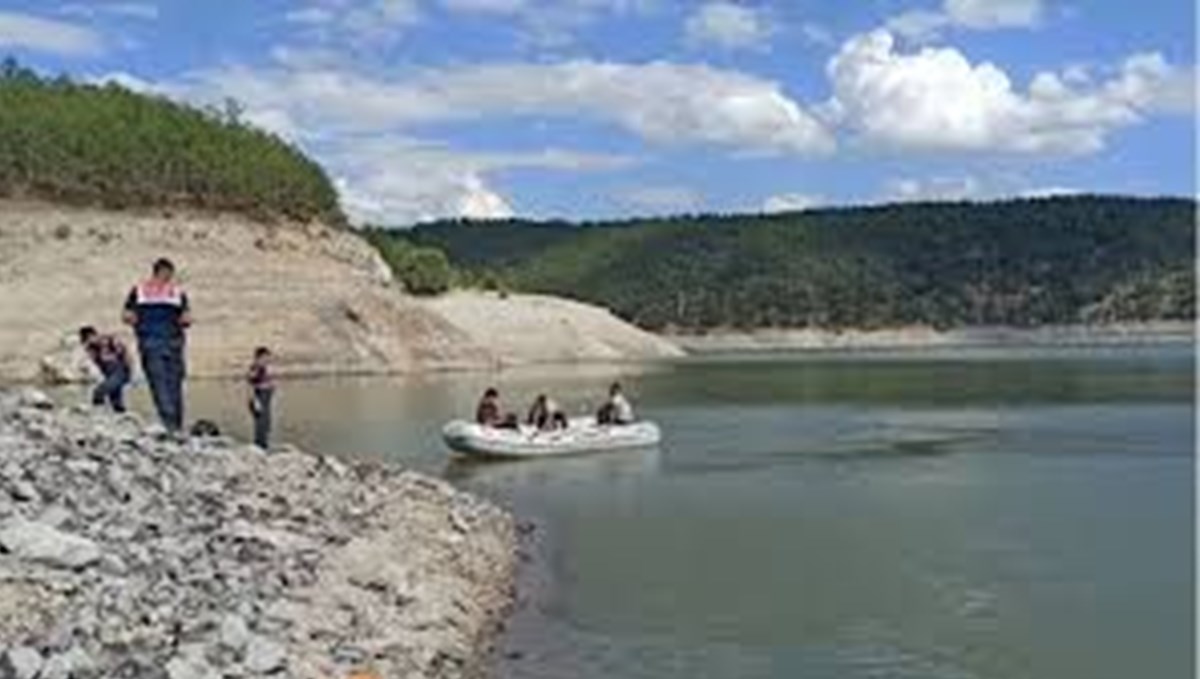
(943, 514)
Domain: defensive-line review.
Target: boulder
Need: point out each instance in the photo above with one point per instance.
(264, 656)
(67, 364)
(20, 662)
(36, 541)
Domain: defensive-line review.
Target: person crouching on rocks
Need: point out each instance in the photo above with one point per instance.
(158, 310)
(262, 391)
(111, 358)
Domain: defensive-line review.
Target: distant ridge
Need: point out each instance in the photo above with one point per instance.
(1022, 262)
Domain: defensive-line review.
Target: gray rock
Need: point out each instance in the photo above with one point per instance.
(235, 634)
(226, 563)
(86, 467)
(34, 398)
(55, 516)
(190, 666)
(264, 656)
(23, 491)
(119, 483)
(333, 465)
(21, 662)
(113, 564)
(12, 471)
(71, 664)
(34, 541)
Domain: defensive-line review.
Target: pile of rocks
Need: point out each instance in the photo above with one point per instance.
(124, 553)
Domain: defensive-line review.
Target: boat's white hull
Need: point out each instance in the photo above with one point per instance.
(583, 436)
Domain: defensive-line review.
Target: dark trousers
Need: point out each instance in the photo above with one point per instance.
(111, 389)
(162, 363)
(262, 417)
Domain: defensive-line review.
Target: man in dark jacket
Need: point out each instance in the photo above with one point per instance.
(111, 358)
(158, 310)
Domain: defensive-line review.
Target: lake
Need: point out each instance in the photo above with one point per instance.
(996, 514)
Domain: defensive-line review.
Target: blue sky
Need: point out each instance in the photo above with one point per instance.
(599, 108)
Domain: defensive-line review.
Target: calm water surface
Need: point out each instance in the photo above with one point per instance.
(970, 514)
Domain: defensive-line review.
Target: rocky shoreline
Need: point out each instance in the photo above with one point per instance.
(126, 553)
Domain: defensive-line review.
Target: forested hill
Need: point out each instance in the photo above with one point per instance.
(84, 144)
(1023, 262)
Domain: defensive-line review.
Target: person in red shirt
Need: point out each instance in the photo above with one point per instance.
(109, 355)
(158, 310)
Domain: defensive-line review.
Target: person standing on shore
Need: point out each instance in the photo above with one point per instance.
(262, 392)
(157, 308)
(111, 358)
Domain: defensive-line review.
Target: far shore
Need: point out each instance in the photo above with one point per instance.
(922, 337)
(752, 341)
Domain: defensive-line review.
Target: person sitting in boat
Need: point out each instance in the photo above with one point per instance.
(489, 413)
(545, 414)
(617, 410)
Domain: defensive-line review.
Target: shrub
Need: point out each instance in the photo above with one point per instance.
(427, 272)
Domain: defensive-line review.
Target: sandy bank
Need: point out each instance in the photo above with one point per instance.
(126, 554)
(321, 297)
(531, 329)
(925, 337)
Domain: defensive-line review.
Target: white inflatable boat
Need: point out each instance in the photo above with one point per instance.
(582, 436)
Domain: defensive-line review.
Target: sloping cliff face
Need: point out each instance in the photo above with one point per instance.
(321, 298)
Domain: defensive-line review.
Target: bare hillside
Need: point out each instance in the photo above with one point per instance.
(320, 297)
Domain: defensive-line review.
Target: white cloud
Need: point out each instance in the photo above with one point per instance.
(1049, 192)
(968, 187)
(360, 126)
(133, 10)
(486, 6)
(1150, 84)
(128, 81)
(479, 202)
(311, 16)
(728, 25)
(981, 15)
(817, 34)
(918, 25)
(25, 31)
(398, 181)
(791, 202)
(660, 102)
(353, 24)
(663, 198)
(550, 23)
(984, 14)
(934, 189)
(935, 99)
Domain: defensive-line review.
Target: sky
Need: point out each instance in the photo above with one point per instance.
(589, 109)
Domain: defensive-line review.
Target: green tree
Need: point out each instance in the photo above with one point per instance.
(1017, 262)
(105, 145)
